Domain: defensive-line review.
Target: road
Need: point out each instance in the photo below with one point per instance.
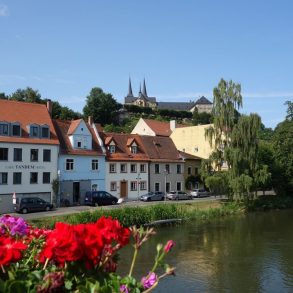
(77, 209)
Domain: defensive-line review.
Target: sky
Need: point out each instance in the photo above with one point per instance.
(182, 49)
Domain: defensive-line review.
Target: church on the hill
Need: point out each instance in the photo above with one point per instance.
(143, 100)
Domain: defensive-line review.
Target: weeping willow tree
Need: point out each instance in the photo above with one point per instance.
(227, 100)
(246, 174)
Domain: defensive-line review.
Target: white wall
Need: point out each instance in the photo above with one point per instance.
(142, 128)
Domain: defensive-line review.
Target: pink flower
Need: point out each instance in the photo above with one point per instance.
(149, 280)
(123, 289)
(169, 246)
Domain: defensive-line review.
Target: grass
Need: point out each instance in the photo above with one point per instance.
(141, 215)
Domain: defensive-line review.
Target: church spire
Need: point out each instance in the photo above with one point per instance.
(130, 94)
(144, 91)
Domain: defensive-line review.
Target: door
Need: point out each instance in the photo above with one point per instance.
(76, 192)
(123, 189)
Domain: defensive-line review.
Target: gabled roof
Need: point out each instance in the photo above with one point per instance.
(187, 156)
(27, 114)
(133, 99)
(123, 152)
(73, 125)
(130, 141)
(203, 101)
(178, 106)
(62, 129)
(160, 149)
(160, 128)
(108, 140)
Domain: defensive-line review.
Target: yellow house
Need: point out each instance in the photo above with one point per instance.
(191, 140)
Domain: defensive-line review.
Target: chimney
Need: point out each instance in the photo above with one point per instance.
(90, 120)
(49, 107)
(172, 125)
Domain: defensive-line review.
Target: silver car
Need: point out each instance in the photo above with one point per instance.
(158, 195)
(177, 195)
(199, 193)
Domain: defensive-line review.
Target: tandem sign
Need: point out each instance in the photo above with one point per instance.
(25, 167)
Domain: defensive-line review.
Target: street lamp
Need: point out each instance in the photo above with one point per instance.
(165, 174)
(138, 178)
(59, 182)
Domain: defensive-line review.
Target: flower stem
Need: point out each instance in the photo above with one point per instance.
(133, 262)
(47, 260)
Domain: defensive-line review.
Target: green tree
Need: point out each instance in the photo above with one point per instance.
(283, 154)
(27, 95)
(289, 110)
(3, 96)
(101, 106)
(227, 100)
(201, 118)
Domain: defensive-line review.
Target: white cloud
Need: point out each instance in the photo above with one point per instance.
(4, 10)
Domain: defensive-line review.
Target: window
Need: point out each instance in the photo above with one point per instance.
(157, 186)
(168, 186)
(123, 168)
(3, 178)
(95, 165)
(34, 155)
(112, 149)
(112, 168)
(178, 169)
(157, 168)
(79, 144)
(133, 149)
(143, 185)
(46, 177)
(17, 155)
(3, 154)
(17, 178)
(47, 155)
(3, 128)
(113, 186)
(133, 185)
(142, 168)
(195, 171)
(189, 170)
(34, 178)
(16, 130)
(34, 131)
(133, 168)
(45, 132)
(167, 168)
(69, 164)
(178, 185)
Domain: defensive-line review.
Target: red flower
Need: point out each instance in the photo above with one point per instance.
(62, 244)
(169, 246)
(10, 250)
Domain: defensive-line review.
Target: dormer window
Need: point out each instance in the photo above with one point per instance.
(79, 144)
(133, 149)
(3, 128)
(16, 131)
(34, 131)
(45, 132)
(112, 149)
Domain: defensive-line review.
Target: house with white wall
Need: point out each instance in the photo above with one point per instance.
(81, 163)
(127, 170)
(28, 152)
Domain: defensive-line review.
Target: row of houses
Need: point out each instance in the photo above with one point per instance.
(36, 150)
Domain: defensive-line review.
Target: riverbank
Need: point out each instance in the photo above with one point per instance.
(142, 215)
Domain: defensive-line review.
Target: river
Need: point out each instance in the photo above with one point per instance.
(248, 253)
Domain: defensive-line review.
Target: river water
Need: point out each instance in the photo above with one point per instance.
(251, 253)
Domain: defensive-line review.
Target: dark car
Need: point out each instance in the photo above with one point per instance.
(157, 195)
(31, 204)
(99, 198)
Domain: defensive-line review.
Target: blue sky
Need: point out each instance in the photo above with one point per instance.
(182, 48)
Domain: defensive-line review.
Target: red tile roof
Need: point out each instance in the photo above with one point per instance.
(160, 149)
(123, 152)
(188, 156)
(62, 129)
(161, 128)
(73, 125)
(26, 114)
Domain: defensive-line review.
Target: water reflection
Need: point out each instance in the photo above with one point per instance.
(251, 253)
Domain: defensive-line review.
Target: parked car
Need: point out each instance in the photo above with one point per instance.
(157, 195)
(99, 198)
(31, 204)
(199, 193)
(177, 195)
